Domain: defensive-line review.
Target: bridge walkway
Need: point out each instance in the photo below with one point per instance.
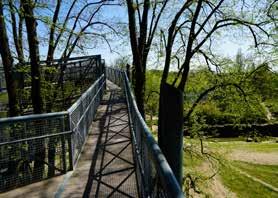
(106, 165)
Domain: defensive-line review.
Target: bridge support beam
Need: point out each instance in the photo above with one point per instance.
(170, 128)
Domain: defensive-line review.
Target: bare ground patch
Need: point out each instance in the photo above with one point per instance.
(213, 186)
(254, 157)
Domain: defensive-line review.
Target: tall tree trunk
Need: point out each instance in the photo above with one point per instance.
(139, 88)
(16, 35)
(28, 6)
(170, 127)
(7, 61)
(137, 59)
(51, 44)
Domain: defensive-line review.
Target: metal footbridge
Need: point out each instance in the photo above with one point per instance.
(99, 147)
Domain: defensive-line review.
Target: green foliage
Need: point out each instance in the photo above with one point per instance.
(152, 92)
(238, 97)
(4, 98)
(64, 96)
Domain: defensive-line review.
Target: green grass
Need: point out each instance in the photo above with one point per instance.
(3, 114)
(231, 178)
(266, 147)
(3, 98)
(230, 144)
(243, 186)
(190, 161)
(266, 173)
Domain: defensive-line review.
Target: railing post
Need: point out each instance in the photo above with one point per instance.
(70, 146)
(128, 71)
(63, 142)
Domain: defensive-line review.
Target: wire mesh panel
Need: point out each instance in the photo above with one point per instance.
(82, 114)
(37, 147)
(32, 148)
(155, 177)
(59, 78)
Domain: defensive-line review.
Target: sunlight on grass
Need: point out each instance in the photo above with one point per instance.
(266, 173)
(231, 178)
(247, 146)
(243, 186)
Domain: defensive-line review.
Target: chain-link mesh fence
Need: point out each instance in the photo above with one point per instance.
(32, 148)
(37, 147)
(63, 80)
(82, 114)
(155, 177)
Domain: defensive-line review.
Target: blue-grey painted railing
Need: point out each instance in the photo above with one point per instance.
(37, 147)
(154, 175)
(82, 113)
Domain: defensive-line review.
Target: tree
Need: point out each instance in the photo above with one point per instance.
(194, 25)
(141, 40)
(68, 33)
(31, 26)
(17, 30)
(190, 34)
(7, 61)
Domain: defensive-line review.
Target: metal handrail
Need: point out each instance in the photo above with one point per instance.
(33, 117)
(77, 59)
(166, 176)
(48, 138)
(35, 138)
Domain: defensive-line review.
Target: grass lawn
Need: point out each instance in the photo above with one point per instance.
(243, 186)
(228, 175)
(4, 98)
(229, 145)
(3, 114)
(266, 173)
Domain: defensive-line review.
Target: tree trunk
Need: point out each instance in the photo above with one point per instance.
(7, 61)
(139, 89)
(51, 44)
(17, 35)
(170, 127)
(28, 6)
(34, 55)
(139, 75)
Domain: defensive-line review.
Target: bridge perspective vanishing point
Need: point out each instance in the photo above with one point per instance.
(99, 147)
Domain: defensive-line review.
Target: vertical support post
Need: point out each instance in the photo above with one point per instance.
(64, 162)
(70, 146)
(80, 75)
(128, 71)
(170, 131)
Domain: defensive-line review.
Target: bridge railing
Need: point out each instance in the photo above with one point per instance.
(154, 175)
(58, 76)
(82, 113)
(33, 148)
(37, 147)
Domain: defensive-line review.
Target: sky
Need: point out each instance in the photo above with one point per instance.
(226, 46)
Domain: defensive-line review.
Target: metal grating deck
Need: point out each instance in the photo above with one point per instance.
(106, 166)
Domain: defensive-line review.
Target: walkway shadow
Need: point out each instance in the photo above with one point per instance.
(112, 171)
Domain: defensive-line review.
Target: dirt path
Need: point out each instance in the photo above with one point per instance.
(254, 157)
(215, 186)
